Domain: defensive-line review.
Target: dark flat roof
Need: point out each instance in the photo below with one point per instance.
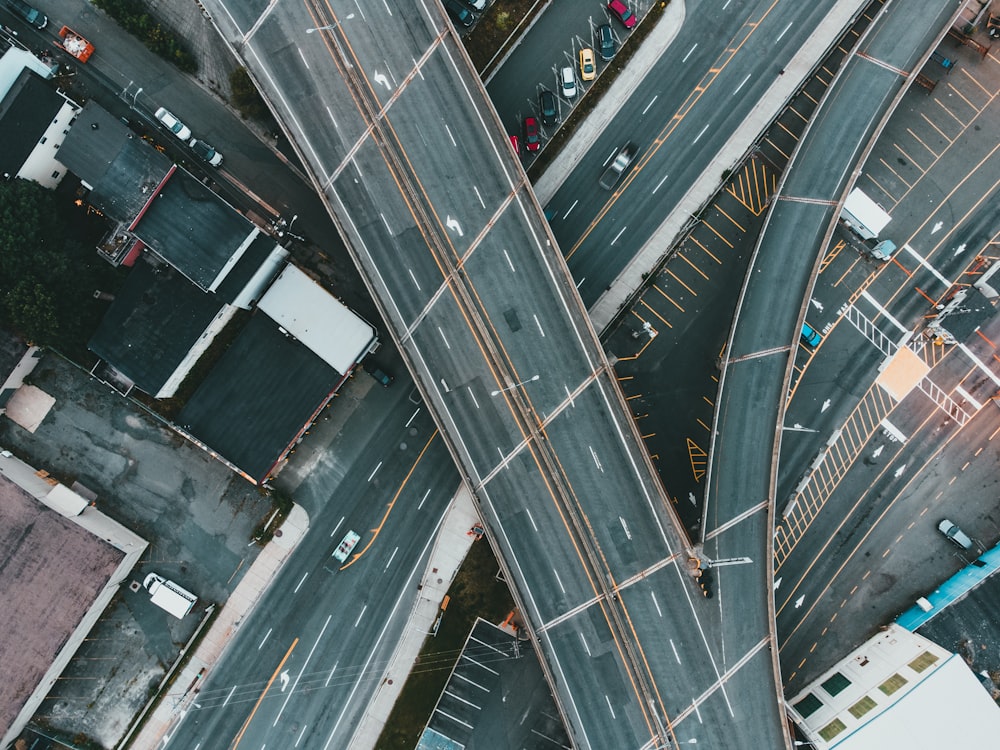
(193, 229)
(258, 397)
(51, 571)
(25, 113)
(156, 317)
(122, 169)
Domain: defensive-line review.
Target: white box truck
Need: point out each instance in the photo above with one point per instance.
(867, 219)
(169, 596)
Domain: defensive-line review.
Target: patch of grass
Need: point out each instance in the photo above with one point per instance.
(475, 592)
(497, 29)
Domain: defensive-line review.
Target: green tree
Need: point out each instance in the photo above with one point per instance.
(246, 98)
(47, 279)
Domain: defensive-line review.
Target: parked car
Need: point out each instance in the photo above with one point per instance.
(203, 151)
(567, 80)
(172, 124)
(547, 105)
(588, 69)
(954, 534)
(606, 42)
(381, 377)
(532, 138)
(32, 15)
(476, 4)
(621, 11)
(810, 336)
(459, 13)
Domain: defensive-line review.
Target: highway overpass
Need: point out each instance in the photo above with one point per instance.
(402, 142)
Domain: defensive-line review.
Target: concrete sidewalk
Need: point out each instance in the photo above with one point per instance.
(172, 706)
(454, 540)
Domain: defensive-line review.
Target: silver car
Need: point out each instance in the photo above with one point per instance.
(955, 534)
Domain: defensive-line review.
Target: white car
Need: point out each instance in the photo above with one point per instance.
(477, 4)
(567, 82)
(172, 124)
(347, 545)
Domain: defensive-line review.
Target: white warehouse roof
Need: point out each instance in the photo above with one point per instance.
(897, 690)
(317, 319)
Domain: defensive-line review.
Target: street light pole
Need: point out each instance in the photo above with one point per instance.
(512, 387)
(334, 25)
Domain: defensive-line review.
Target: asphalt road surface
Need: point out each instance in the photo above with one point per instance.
(403, 144)
(681, 114)
(301, 671)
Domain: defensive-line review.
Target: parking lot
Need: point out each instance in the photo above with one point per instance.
(536, 64)
(496, 697)
(196, 514)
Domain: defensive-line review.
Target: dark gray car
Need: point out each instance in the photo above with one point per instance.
(547, 105)
(606, 44)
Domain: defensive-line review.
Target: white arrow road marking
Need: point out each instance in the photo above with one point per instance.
(937, 227)
(692, 498)
(826, 405)
(777, 583)
(381, 80)
(284, 680)
(899, 472)
(959, 250)
(878, 451)
(454, 226)
(798, 602)
(817, 304)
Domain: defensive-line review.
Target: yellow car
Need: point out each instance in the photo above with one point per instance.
(587, 68)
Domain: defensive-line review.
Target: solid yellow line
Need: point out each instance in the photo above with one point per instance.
(971, 78)
(681, 282)
(717, 232)
(775, 147)
(738, 225)
(898, 177)
(392, 503)
(964, 99)
(931, 123)
(684, 257)
(707, 251)
(662, 319)
(939, 103)
(918, 140)
(239, 737)
(667, 297)
(915, 162)
(880, 187)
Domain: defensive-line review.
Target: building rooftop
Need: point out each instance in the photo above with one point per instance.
(259, 396)
(318, 319)
(25, 112)
(51, 572)
(157, 316)
(897, 690)
(122, 171)
(194, 230)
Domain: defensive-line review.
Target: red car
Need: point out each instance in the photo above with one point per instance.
(620, 11)
(532, 139)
